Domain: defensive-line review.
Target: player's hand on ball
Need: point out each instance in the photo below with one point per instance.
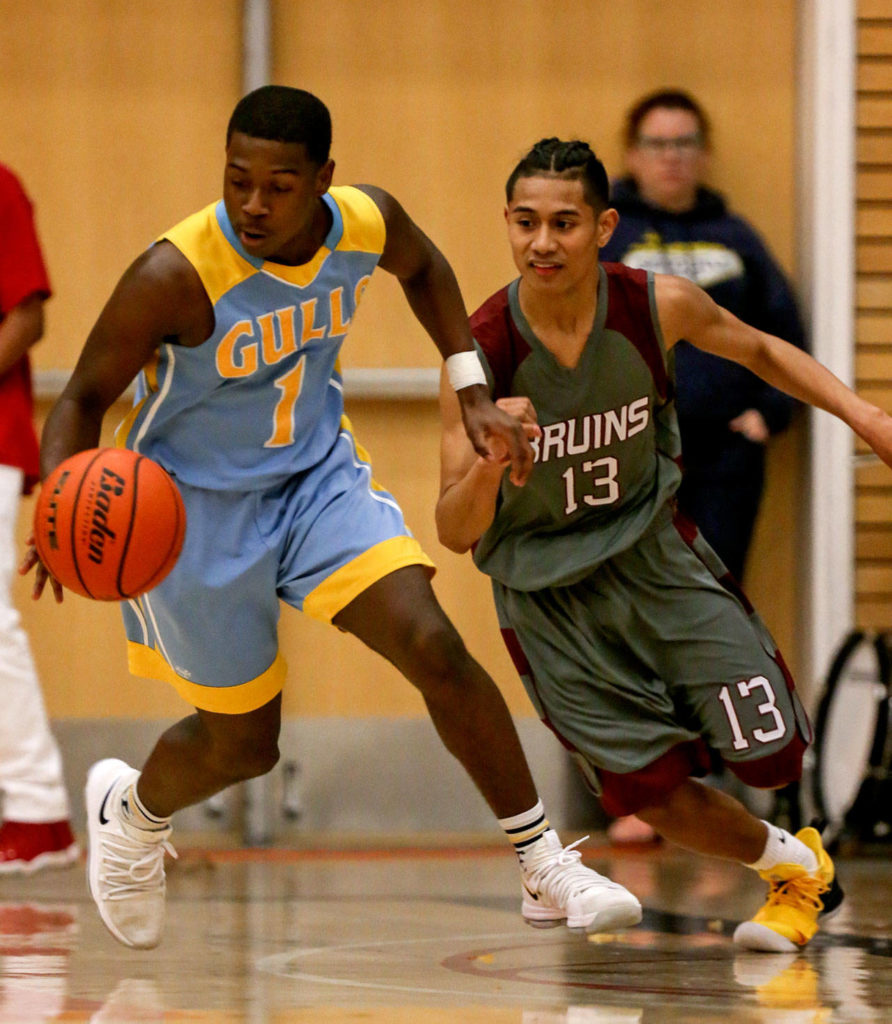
(31, 560)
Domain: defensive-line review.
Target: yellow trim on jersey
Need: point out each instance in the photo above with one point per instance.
(151, 371)
(304, 274)
(123, 428)
(338, 590)
(363, 221)
(360, 451)
(362, 231)
(225, 700)
(200, 239)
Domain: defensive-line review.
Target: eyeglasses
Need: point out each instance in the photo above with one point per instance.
(684, 145)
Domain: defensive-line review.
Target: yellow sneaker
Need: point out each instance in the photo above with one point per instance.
(786, 982)
(796, 899)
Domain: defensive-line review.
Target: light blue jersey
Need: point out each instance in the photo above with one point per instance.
(280, 500)
(262, 397)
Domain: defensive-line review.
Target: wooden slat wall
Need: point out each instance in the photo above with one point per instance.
(114, 114)
(446, 98)
(873, 358)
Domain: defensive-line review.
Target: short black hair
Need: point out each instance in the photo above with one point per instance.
(573, 159)
(665, 99)
(284, 114)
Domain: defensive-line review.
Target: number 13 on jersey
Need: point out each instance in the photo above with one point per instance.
(597, 478)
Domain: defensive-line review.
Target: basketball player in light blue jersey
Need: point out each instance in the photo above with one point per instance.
(233, 323)
(633, 641)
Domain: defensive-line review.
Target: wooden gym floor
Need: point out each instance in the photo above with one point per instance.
(430, 933)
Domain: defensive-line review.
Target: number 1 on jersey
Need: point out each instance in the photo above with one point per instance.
(283, 415)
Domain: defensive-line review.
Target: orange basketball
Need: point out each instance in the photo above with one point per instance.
(109, 523)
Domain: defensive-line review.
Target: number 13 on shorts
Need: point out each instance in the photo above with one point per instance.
(756, 689)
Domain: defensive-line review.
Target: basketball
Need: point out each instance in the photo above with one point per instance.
(109, 524)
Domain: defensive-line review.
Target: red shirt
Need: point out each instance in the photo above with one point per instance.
(22, 274)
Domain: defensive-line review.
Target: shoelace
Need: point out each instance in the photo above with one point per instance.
(797, 891)
(131, 867)
(565, 872)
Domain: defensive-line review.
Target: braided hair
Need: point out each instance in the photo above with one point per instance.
(572, 159)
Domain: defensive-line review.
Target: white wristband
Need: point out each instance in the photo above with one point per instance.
(464, 369)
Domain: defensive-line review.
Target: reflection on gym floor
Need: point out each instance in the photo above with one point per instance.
(342, 932)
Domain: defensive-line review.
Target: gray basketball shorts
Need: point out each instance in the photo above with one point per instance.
(647, 660)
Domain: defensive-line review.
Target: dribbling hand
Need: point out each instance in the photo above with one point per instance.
(31, 560)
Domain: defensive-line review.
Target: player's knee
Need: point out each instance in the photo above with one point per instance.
(260, 762)
(439, 657)
(243, 753)
(655, 788)
(250, 763)
(665, 807)
(241, 746)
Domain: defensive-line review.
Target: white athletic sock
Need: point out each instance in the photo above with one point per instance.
(783, 848)
(525, 830)
(134, 813)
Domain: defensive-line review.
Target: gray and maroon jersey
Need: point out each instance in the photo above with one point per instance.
(609, 455)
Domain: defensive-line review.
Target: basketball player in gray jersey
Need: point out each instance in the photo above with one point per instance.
(634, 643)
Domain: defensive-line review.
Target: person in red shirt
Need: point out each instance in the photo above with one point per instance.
(36, 831)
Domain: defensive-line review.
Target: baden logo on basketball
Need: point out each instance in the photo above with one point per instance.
(109, 524)
(111, 485)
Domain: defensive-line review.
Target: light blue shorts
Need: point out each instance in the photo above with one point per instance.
(316, 542)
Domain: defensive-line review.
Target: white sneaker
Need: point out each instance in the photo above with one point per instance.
(125, 865)
(558, 887)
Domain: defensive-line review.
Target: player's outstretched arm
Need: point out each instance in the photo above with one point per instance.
(159, 298)
(433, 294)
(686, 311)
(469, 484)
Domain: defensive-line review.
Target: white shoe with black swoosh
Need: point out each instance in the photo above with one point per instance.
(558, 887)
(125, 864)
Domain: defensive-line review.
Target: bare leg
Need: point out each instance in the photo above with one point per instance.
(708, 821)
(206, 752)
(400, 618)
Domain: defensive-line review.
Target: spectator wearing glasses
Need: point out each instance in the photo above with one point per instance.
(672, 223)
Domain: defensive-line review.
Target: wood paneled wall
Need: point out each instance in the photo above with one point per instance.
(873, 357)
(448, 96)
(114, 114)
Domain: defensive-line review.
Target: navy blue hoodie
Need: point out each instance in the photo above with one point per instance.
(727, 258)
